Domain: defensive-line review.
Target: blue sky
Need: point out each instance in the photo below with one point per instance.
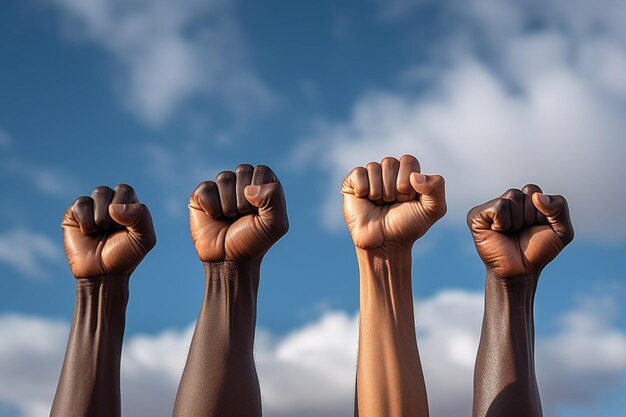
(164, 94)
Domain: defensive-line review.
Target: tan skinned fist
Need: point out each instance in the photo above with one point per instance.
(391, 204)
(108, 233)
(239, 216)
(520, 232)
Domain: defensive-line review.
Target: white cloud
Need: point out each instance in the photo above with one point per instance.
(51, 181)
(169, 52)
(31, 354)
(547, 107)
(28, 252)
(310, 371)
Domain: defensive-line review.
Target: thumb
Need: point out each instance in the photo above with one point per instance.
(556, 210)
(269, 199)
(432, 192)
(137, 220)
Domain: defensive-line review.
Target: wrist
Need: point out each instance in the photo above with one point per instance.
(232, 269)
(511, 283)
(388, 252)
(510, 294)
(104, 287)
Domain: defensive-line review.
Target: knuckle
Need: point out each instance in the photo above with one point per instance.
(244, 169)
(83, 200)
(204, 185)
(359, 172)
(123, 188)
(438, 180)
(264, 174)
(225, 177)
(560, 200)
(513, 194)
(372, 166)
(102, 189)
(389, 161)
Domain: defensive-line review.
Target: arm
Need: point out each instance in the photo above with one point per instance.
(516, 236)
(234, 222)
(106, 236)
(387, 207)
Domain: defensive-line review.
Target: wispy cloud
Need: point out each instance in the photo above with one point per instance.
(546, 107)
(28, 252)
(310, 371)
(49, 180)
(169, 52)
(177, 172)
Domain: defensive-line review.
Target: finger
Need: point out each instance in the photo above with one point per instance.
(206, 197)
(408, 164)
(492, 215)
(516, 203)
(432, 191)
(82, 210)
(556, 211)
(263, 175)
(389, 168)
(500, 214)
(124, 194)
(375, 180)
(102, 197)
(531, 215)
(137, 220)
(269, 199)
(357, 181)
(243, 175)
(226, 182)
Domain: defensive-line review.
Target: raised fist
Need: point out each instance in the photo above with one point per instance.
(391, 203)
(520, 232)
(239, 216)
(108, 233)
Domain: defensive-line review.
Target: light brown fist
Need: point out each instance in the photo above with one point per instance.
(520, 232)
(108, 233)
(239, 216)
(391, 203)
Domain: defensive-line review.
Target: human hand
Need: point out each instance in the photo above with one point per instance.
(391, 204)
(108, 233)
(520, 232)
(239, 216)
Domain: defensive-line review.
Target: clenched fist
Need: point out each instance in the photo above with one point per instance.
(520, 232)
(239, 216)
(391, 203)
(108, 233)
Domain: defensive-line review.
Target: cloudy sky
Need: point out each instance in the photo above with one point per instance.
(163, 94)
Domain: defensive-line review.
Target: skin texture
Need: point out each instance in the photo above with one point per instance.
(234, 220)
(387, 207)
(516, 236)
(106, 236)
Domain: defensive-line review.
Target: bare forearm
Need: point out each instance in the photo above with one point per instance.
(220, 377)
(390, 381)
(90, 379)
(504, 380)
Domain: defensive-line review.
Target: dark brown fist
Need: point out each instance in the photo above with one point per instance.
(108, 233)
(239, 216)
(520, 232)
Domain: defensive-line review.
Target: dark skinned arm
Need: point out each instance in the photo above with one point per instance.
(234, 221)
(106, 236)
(516, 236)
(387, 207)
